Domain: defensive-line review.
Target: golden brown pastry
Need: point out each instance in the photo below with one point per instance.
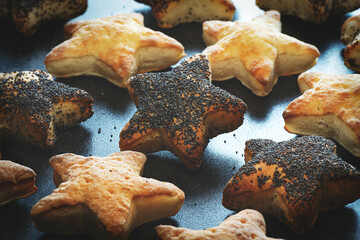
(180, 111)
(310, 10)
(115, 48)
(103, 196)
(255, 52)
(350, 31)
(32, 105)
(244, 225)
(29, 16)
(329, 106)
(16, 181)
(293, 180)
(170, 13)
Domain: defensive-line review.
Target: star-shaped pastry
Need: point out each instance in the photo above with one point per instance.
(16, 181)
(255, 52)
(350, 36)
(180, 111)
(170, 13)
(244, 225)
(115, 48)
(29, 16)
(293, 180)
(103, 196)
(329, 106)
(32, 105)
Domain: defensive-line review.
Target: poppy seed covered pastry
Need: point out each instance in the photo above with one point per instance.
(255, 52)
(180, 111)
(244, 225)
(170, 13)
(32, 105)
(350, 36)
(16, 181)
(293, 180)
(115, 48)
(104, 197)
(31, 15)
(329, 106)
(310, 10)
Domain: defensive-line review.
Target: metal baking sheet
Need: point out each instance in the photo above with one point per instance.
(224, 155)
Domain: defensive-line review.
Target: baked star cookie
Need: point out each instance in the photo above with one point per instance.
(32, 105)
(310, 10)
(244, 225)
(255, 52)
(115, 48)
(170, 13)
(329, 106)
(16, 181)
(103, 196)
(350, 37)
(180, 111)
(29, 16)
(293, 180)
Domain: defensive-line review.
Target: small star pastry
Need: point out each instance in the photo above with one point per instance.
(29, 16)
(244, 225)
(310, 10)
(255, 52)
(180, 111)
(293, 180)
(103, 196)
(329, 106)
(350, 36)
(170, 13)
(32, 105)
(16, 181)
(115, 48)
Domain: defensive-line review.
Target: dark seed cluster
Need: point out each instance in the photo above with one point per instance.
(303, 165)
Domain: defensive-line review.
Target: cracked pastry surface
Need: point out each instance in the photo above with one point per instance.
(329, 106)
(293, 180)
(32, 105)
(244, 225)
(170, 13)
(310, 10)
(255, 52)
(180, 111)
(115, 48)
(104, 197)
(350, 37)
(31, 15)
(16, 181)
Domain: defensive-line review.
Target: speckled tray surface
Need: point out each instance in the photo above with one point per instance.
(224, 155)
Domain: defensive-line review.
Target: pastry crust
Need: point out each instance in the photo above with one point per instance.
(293, 180)
(170, 13)
(329, 106)
(166, 121)
(255, 52)
(310, 10)
(115, 48)
(244, 225)
(16, 181)
(103, 196)
(350, 37)
(32, 105)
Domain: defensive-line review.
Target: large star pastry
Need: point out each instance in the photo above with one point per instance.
(255, 52)
(32, 104)
(180, 111)
(293, 180)
(115, 48)
(244, 225)
(103, 196)
(329, 106)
